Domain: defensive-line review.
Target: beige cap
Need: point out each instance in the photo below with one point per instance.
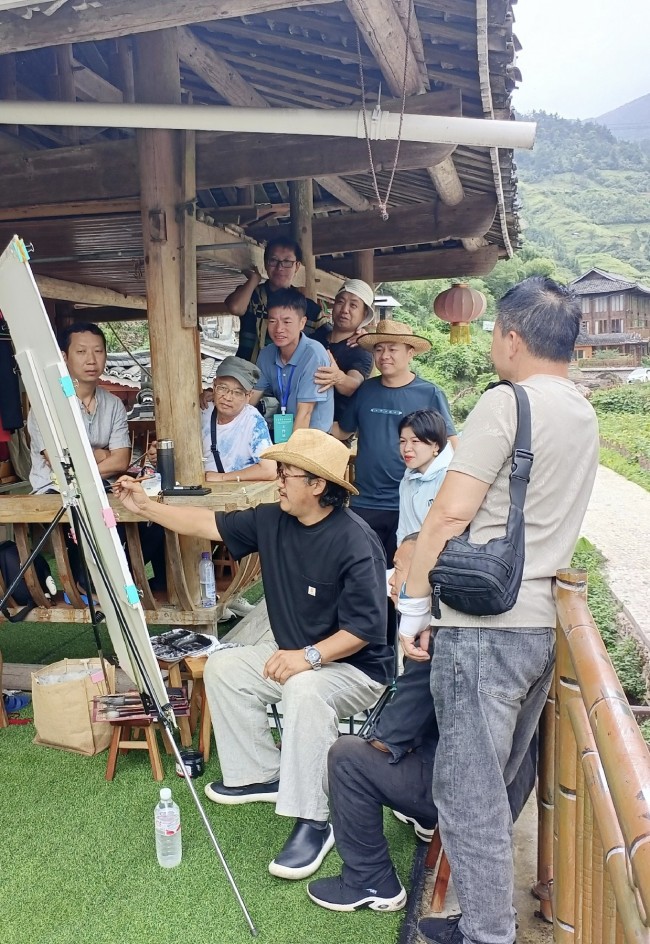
(359, 288)
(314, 451)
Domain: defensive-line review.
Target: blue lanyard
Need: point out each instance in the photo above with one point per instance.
(284, 393)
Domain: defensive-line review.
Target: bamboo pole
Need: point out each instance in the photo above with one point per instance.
(620, 745)
(597, 880)
(564, 864)
(583, 840)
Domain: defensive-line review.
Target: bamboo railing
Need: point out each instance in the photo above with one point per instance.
(594, 790)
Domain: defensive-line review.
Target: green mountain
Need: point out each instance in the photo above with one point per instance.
(630, 121)
(586, 198)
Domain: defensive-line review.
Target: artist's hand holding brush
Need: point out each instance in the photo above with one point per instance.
(185, 519)
(132, 495)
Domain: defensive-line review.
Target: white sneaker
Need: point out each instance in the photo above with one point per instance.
(241, 607)
(422, 832)
(226, 615)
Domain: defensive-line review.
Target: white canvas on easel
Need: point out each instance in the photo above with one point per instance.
(52, 398)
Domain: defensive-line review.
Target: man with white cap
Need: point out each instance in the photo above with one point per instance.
(325, 584)
(350, 364)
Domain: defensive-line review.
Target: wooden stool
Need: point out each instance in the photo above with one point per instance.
(125, 739)
(175, 681)
(435, 852)
(199, 708)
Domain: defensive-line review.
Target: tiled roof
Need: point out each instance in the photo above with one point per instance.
(602, 340)
(599, 282)
(122, 368)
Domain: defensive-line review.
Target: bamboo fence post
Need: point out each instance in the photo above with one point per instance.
(569, 583)
(583, 859)
(597, 881)
(546, 805)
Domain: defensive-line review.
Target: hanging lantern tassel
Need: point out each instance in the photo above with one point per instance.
(459, 305)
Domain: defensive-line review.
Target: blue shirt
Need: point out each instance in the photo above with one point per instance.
(375, 412)
(297, 377)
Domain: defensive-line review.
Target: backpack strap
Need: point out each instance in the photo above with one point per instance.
(522, 456)
(213, 438)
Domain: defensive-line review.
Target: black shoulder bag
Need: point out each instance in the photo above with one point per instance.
(484, 579)
(213, 444)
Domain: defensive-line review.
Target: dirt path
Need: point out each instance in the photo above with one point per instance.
(618, 523)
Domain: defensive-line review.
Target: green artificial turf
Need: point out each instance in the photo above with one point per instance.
(78, 855)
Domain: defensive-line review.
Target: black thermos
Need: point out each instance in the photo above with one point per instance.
(166, 463)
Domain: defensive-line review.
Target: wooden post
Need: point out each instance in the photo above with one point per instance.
(8, 85)
(67, 90)
(363, 263)
(301, 198)
(174, 348)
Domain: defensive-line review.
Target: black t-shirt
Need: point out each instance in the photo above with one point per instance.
(348, 358)
(318, 579)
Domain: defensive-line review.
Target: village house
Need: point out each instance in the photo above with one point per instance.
(615, 317)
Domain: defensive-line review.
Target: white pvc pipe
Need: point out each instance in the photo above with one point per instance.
(382, 125)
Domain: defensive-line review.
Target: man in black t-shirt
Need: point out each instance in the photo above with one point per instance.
(350, 364)
(324, 573)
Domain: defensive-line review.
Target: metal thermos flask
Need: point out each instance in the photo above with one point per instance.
(166, 463)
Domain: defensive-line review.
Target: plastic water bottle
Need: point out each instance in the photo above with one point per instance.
(206, 580)
(167, 818)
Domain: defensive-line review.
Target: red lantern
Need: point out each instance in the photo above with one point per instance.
(459, 305)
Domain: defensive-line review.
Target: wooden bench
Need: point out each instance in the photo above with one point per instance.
(177, 607)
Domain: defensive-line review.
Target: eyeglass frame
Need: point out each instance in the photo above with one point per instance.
(280, 263)
(235, 394)
(283, 476)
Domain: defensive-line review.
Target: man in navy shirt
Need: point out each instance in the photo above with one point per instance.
(326, 656)
(374, 413)
(289, 364)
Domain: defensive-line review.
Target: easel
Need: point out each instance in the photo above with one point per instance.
(104, 566)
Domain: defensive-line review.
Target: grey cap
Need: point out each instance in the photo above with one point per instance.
(246, 373)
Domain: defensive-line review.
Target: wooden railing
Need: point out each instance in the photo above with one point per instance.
(594, 790)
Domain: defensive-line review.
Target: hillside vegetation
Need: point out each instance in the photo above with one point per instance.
(586, 198)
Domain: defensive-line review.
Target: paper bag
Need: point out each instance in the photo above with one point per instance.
(62, 695)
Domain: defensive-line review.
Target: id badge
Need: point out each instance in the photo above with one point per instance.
(282, 427)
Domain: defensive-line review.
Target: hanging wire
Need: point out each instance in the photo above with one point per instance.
(383, 204)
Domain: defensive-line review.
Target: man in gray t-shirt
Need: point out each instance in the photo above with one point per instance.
(83, 346)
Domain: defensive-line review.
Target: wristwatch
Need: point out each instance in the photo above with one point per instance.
(312, 655)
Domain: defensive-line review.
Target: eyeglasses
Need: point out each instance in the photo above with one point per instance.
(280, 263)
(283, 476)
(224, 391)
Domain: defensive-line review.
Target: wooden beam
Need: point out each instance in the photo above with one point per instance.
(407, 225)
(434, 264)
(344, 192)
(44, 211)
(380, 25)
(67, 91)
(92, 87)
(301, 197)
(87, 294)
(123, 18)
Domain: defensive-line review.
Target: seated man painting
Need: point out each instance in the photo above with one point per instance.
(288, 367)
(324, 579)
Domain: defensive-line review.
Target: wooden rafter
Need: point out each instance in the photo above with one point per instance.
(216, 72)
(436, 264)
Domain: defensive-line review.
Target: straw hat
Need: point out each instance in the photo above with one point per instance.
(314, 451)
(394, 332)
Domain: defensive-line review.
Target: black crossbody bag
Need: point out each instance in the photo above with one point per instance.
(484, 579)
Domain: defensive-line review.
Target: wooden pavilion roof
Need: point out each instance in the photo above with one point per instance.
(73, 193)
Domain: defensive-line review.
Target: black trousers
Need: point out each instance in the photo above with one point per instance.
(363, 780)
(384, 523)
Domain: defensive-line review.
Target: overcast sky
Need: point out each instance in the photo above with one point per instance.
(581, 58)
